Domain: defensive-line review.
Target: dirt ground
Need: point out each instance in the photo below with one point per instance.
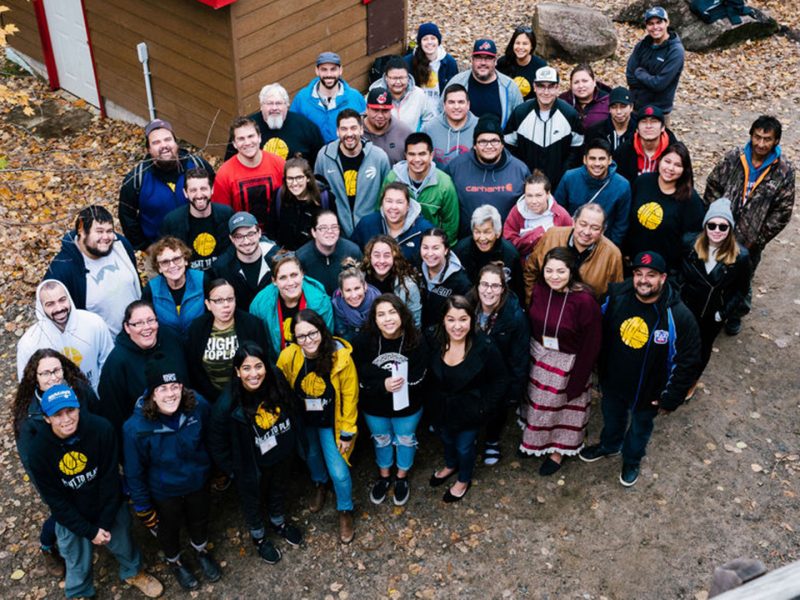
(720, 480)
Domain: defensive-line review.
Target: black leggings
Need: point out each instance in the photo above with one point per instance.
(275, 479)
(195, 508)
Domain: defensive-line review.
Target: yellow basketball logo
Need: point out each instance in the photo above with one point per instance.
(72, 463)
(313, 385)
(266, 419)
(277, 146)
(634, 332)
(650, 215)
(350, 178)
(523, 84)
(287, 330)
(204, 244)
(72, 354)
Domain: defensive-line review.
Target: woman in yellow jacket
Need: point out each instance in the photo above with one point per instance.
(321, 372)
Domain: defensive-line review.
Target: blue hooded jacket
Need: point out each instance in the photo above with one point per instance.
(308, 105)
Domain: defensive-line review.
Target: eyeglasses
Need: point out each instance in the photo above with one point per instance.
(218, 301)
(307, 337)
(138, 324)
(488, 143)
(175, 260)
(297, 179)
(57, 372)
(246, 236)
(485, 285)
(715, 226)
(326, 228)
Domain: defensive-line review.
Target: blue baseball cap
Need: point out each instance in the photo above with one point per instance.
(58, 398)
(656, 12)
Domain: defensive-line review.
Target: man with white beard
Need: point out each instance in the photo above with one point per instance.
(283, 132)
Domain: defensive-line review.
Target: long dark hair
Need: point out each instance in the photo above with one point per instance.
(685, 184)
(401, 268)
(496, 268)
(461, 303)
(410, 333)
(420, 67)
(570, 258)
(273, 392)
(29, 384)
(510, 57)
(327, 345)
(298, 162)
(150, 408)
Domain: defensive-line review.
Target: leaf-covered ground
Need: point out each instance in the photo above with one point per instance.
(721, 480)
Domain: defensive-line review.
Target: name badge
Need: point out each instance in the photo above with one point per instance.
(266, 444)
(551, 343)
(313, 404)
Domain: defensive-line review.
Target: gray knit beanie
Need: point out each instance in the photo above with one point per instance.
(720, 208)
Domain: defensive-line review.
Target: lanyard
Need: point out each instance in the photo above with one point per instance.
(547, 314)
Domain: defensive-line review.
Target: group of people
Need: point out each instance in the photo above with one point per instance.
(454, 248)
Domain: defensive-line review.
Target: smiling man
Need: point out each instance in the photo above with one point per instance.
(648, 361)
(598, 181)
(600, 261)
(451, 131)
(326, 96)
(154, 186)
(655, 65)
(97, 267)
(80, 335)
(353, 169)
(249, 180)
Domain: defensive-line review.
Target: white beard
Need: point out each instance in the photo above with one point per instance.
(275, 122)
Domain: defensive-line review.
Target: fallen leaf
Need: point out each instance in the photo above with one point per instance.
(18, 574)
(756, 468)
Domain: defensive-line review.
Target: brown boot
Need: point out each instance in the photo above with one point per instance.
(346, 529)
(53, 563)
(318, 497)
(147, 584)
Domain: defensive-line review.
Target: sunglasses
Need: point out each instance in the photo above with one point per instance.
(715, 226)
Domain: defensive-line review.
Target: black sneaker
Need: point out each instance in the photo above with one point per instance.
(491, 453)
(184, 576)
(208, 566)
(378, 492)
(400, 491)
(595, 452)
(290, 533)
(629, 475)
(733, 326)
(268, 552)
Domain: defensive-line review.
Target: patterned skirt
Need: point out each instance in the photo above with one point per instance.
(551, 423)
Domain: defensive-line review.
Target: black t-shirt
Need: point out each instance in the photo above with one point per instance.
(288, 314)
(384, 287)
(251, 271)
(316, 396)
(350, 167)
(177, 296)
(273, 435)
(484, 98)
(522, 76)
(204, 245)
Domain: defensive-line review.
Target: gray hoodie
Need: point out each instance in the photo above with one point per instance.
(448, 142)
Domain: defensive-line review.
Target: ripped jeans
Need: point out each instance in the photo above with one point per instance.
(397, 432)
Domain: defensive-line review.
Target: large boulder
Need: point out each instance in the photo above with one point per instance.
(573, 33)
(696, 35)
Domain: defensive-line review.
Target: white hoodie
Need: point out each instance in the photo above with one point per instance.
(86, 339)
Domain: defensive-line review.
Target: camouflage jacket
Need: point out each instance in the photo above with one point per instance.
(769, 207)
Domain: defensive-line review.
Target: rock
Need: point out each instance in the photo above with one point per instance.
(696, 35)
(573, 33)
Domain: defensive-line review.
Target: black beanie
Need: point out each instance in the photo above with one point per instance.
(488, 123)
(161, 369)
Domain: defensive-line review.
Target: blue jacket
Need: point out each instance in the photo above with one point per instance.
(653, 72)
(69, 267)
(265, 307)
(192, 305)
(306, 104)
(162, 460)
(613, 193)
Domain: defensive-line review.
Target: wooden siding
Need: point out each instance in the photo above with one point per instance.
(191, 63)
(278, 41)
(27, 39)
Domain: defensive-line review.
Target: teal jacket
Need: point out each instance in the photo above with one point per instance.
(265, 307)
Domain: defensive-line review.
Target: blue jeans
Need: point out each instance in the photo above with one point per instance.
(459, 451)
(399, 432)
(77, 553)
(618, 435)
(323, 459)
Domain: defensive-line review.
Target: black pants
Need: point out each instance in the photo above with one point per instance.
(494, 428)
(195, 508)
(709, 329)
(274, 479)
(744, 307)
